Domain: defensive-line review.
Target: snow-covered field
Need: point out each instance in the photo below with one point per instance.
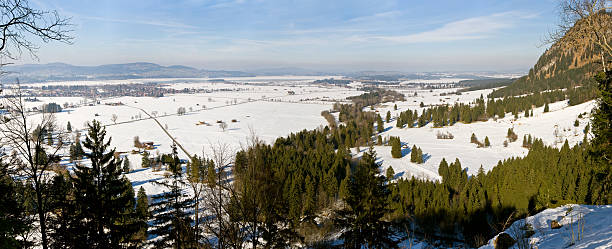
(583, 226)
(271, 110)
(276, 107)
(543, 125)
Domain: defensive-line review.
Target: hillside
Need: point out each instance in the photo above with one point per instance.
(67, 72)
(564, 65)
(582, 226)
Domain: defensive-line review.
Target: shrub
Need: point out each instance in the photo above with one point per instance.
(512, 137)
(444, 135)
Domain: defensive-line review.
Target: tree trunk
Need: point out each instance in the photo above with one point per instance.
(41, 215)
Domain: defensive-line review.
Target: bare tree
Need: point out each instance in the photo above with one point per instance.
(590, 22)
(223, 219)
(137, 142)
(114, 118)
(223, 126)
(32, 157)
(20, 23)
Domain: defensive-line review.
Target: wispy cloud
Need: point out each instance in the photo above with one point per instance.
(375, 17)
(159, 23)
(226, 4)
(466, 29)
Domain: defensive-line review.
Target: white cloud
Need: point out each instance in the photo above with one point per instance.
(466, 29)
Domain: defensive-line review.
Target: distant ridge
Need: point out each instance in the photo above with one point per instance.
(137, 70)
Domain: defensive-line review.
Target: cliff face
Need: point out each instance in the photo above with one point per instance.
(566, 64)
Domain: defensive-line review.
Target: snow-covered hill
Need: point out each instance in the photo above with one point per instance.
(582, 226)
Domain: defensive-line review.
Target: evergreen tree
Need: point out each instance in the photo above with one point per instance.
(416, 155)
(69, 127)
(419, 158)
(396, 147)
(14, 220)
(487, 143)
(602, 136)
(546, 108)
(390, 173)
(367, 203)
(395, 107)
(126, 165)
(171, 221)
(76, 150)
(146, 160)
(380, 126)
(388, 118)
(104, 197)
(142, 215)
(65, 225)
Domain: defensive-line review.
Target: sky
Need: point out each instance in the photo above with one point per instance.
(344, 35)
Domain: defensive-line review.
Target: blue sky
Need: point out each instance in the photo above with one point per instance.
(324, 35)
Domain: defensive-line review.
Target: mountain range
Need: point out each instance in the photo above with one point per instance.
(138, 70)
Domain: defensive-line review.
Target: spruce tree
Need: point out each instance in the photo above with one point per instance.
(65, 225)
(388, 118)
(414, 154)
(104, 197)
(602, 137)
(380, 126)
(395, 107)
(487, 143)
(396, 147)
(126, 165)
(146, 160)
(546, 108)
(142, 215)
(14, 221)
(171, 221)
(419, 158)
(367, 203)
(390, 173)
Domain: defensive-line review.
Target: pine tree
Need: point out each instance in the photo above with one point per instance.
(486, 142)
(367, 203)
(388, 118)
(396, 147)
(546, 108)
(126, 165)
(419, 158)
(65, 225)
(390, 173)
(171, 222)
(69, 127)
(146, 161)
(395, 107)
(142, 216)
(76, 150)
(380, 126)
(414, 154)
(14, 220)
(104, 197)
(602, 136)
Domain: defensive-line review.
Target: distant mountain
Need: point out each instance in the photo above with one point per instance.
(291, 71)
(67, 72)
(564, 65)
